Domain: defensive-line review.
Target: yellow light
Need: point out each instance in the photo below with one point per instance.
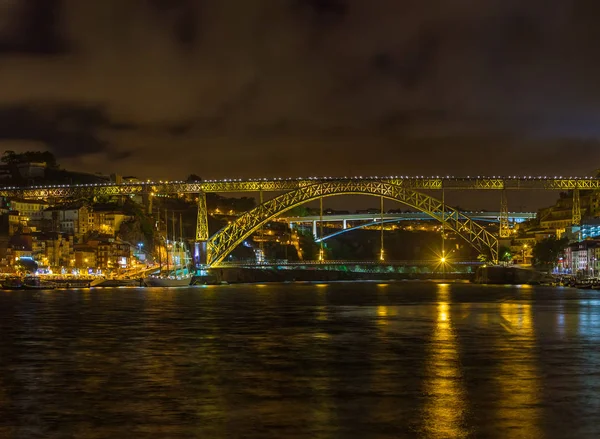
(443, 260)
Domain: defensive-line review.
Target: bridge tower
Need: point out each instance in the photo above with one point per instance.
(576, 207)
(381, 248)
(321, 236)
(201, 230)
(261, 230)
(504, 226)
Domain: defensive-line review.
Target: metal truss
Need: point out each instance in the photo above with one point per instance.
(290, 184)
(504, 226)
(228, 238)
(202, 220)
(576, 208)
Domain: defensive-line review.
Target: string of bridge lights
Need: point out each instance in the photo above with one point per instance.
(241, 180)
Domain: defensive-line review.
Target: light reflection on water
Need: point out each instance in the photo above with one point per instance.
(444, 409)
(300, 360)
(518, 378)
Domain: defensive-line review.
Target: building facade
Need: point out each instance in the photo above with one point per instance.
(583, 258)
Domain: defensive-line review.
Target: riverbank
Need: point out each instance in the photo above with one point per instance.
(252, 275)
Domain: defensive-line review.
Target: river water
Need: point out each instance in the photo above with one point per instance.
(344, 360)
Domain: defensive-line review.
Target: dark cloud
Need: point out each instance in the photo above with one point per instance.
(305, 86)
(32, 27)
(69, 129)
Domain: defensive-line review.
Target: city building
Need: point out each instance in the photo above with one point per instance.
(72, 218)
(111, 255)
(558, 221)
(59, 249)
(47, 249)
(5, 172)
(583, 258)
(590, 228)
(107, 220)
(32, 170)
(85, 256)
(28, 210)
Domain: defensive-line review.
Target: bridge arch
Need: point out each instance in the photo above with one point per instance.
(388, 221)
(229, 237)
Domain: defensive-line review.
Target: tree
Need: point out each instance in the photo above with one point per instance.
(26, 266)
(310, 249)
(504, 254)
(12, 158)
(9, 157)
(193, 178)
(299, 211)
(547, 251)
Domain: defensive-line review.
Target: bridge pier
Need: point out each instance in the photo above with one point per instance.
(576, 207)
(504, 231)
(200, 250)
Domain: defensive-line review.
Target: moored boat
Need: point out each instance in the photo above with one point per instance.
(176, 273)
(12, 283)
(29, 283)
(103, 283)
(168, 281)
(35, 283)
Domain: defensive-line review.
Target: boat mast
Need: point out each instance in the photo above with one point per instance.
(167, 238)
(182, 258)
(159, 243)
(174, 241)
(180, 229)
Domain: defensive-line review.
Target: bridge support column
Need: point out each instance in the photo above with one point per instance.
(261, 230)
(576, 207)
(381, 249)
(344, 224)
(443, 258)
(321, 250)
(200, 251)
(315, 230)
(504, 226)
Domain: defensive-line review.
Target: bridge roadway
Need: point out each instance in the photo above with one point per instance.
(328, 263)
(288, 184)
(517, 217)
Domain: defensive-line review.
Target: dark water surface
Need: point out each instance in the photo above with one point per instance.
(347, 360)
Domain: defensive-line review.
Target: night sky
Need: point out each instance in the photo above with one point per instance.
(242, 88)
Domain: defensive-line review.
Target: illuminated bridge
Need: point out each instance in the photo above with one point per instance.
(412, 191)
(349, 221)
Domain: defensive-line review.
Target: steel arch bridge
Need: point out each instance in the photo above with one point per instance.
(386, 221)
(220, 245)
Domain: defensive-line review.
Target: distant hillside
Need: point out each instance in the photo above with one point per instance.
(40, 168)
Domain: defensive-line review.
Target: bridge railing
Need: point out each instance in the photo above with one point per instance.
(287, 184)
